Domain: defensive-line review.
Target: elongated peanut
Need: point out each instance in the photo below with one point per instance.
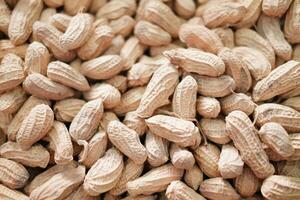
(6, 46)
(269, 28)
(119, 82)
(5, 120)
(123, 26)
(22, 18)
(276, 138)
(61, 141)
(66, 110)
(185, 8)
(11, 72)
(193, 177)
(5, 16)
(49, 35)
(251, 15)
(86, 121)
(223, 14)
(103, 67)
(237, 69)
(284, 115)
(110, 95)
(107, 117)
(182, 132)
(275, 8)
(72, 7)
(218, 188)
(179, 190)
(291, 93)
(35, 126)
(214, 130)
(98, 42)
(12, 100)
(127, 141)
(131, 171)
(94, 150)
(60, 185)
(13, 174)
(278, 187)
(290, 24)
(282, 79)
(214, 86)
(105, 173)
(226, 35)
(181, 158)
(230, 163)
(247, 183)
(37, 58)
(184, 98)
(249, 38)
(157, 149)
(256, 62)
(66, 75)
(243, 134)
(42, 87)
(196, 61)
(155, 180)
(208, 107)
(200, 37)
(207, 157)
(160, 87)
(237, 101)
(115, 9)
(78, 31)
(9, 194)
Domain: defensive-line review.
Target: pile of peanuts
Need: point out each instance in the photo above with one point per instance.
(150, 99)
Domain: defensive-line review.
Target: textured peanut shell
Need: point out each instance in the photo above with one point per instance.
(193, 177)
(181, 158)
(247, 183)
(12, 100)
(9, 194)
(66, 110)
(208, 107)
(134, 122)
(179, 190)
(237, 101)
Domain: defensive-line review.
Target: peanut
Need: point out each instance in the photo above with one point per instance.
(214, 130)
(179, 190)
(66, 110)
(12, 100)
(247, 183)
(237, 101)
(208, 107)
(5, 16)
(181, 158)
(193, 177)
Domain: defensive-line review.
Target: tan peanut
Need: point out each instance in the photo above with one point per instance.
(119, 82)
(131, 171)
(127, 141)
(5, 120)
(291, 93)
(110, 95)
(98, 42)
(47, 14)
(275, 8)
(105, 173)
(237, 101)
(214, 86)
(80, 193)
(276, 138)
(256, 62)
(200, 37)
(115, 9)
(251, 15)
(65, 74)
(107, 117)
(196, 61)
(60, 21)
(12, 100)
(155, 180)
(243, 134)
(237, 69)
(269, 28)
(13, 174)
(117, 44)
(208, 107)
(155, 51)
(123, 25)
(184, 98)
(292, 102)
(179, 190)
(5, 16)
(226, 35)
(42, 87)
(247, 183)
(86, 121)
(218, 188)
(193, 177)
(37, 58)
(296, 53)
(157, 149)
(290, 24)
(283, 115)
(103, 67)
(230, 163)
(35, 126)
(6, 46)
(60, 140)
(180, 131)
(288, 168)
(214, 130)
(250, 38)
(72, 7)
(11, 72)
(22, 18)
(207, 157)
(9, 194)
(278, 187)
(160, 87)
(181, 158)
(66, 110)
(59, 185)
(94, 150)
(134, 122)
(49, 35)
(281, 80)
